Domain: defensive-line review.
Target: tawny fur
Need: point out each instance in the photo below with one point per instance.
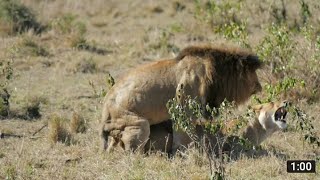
(138, 100)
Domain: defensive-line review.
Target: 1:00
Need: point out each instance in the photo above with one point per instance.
(302, 166)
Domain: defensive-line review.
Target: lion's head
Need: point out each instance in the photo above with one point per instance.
(272, 116)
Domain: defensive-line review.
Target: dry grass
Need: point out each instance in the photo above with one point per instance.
(58, 130)
(16, 18)
(77, 124)
(28, 47)
(86, 39)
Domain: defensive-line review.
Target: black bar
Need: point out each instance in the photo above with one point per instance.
(301, 166)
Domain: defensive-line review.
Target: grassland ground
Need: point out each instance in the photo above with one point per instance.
(65, 66)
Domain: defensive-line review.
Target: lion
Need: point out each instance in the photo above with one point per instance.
(269, 118)
(138, 100)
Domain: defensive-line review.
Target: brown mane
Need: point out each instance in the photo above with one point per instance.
(221, 53)
(231, 66)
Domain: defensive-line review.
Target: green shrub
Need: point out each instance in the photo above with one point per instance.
(280, 90)
(305, 12)
(218, 13)
(17, 18)
(6, 73)
(183, 114)
(277, 49)
(4, 103)
(10, 172)
(302, 123)
(237, 32)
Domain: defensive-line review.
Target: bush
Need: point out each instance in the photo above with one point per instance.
(58, 131)
(27, 46)
(6, 73)
(32, 108)
(63, 129)
(277, 49)
(4, 103)
(86, 66)
(183, 115)
(77, 124)
(16, 18)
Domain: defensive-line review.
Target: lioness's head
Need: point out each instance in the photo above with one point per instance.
(272, 115)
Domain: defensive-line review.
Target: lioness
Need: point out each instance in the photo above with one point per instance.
(138, 100)
(269, 117)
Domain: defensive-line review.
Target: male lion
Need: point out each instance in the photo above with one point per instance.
(269, 118)
(138, 100)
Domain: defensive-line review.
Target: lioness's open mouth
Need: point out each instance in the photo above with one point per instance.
(280, 114)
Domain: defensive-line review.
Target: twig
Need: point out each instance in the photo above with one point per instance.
(5, 135)
(37, 131)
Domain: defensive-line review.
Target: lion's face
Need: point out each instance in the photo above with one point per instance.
(253, 81)
(272, 116)
(279, 117)
(245, 87)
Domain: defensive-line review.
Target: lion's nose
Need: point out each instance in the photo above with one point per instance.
(258, 87)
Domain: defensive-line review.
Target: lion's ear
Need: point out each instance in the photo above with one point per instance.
(252, 62)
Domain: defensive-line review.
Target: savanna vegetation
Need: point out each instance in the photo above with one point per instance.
(59, 58)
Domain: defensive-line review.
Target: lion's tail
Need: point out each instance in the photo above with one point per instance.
(105, 132)
(112, 135)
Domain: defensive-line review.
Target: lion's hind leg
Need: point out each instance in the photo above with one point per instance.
(135, 136)
(109, 140)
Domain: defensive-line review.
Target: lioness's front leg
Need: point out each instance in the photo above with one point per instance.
(182, 140)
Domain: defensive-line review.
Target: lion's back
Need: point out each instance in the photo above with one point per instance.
(144, 91)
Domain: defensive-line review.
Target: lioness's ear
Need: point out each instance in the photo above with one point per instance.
(252, 62)
(285, 103)
(257, 108)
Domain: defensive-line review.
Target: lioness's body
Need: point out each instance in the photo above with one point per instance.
(139, 99)
(269, 118)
